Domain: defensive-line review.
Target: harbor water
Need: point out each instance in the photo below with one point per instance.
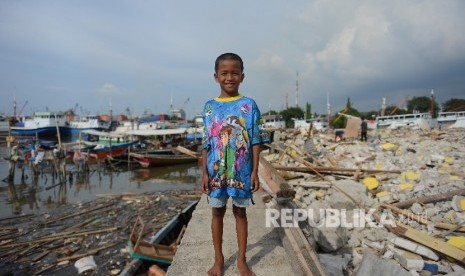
(29, 195)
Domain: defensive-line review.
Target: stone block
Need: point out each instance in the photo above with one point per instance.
(415, 247)
(409, 260)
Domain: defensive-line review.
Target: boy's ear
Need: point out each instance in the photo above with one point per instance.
(243, 76)
(215, 76)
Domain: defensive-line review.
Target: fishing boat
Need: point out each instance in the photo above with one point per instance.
(42, 124)
(74, 127)
(161, 247)
(451, 119)
(273, 122)
(403, 120)
(106, 144)
(318, 124)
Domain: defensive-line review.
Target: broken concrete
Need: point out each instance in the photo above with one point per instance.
(430, 164)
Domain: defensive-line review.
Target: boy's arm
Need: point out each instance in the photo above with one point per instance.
(255, 185)
(204, 184)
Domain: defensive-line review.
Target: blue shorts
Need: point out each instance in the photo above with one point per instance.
(218, 202)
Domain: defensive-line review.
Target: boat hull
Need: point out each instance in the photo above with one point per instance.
(158, 160)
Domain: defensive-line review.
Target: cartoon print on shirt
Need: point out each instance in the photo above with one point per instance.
(231, 144)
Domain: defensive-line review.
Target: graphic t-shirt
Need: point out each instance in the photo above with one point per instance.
(232, 126)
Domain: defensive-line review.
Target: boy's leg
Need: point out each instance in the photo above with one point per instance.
(217, 235)
(240, 214)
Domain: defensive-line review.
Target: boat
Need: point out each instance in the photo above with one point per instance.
(273, 122)
(42, 124)
(106, 144)
(318, 123)
(74, 127)
(451, 119)
(161, 247)
(403, 120)
(174, 156)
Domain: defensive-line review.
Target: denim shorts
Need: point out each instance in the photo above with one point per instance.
(218, 202)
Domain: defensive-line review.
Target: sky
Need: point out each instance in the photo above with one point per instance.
(152, 56)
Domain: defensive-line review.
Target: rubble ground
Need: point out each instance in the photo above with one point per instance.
(51, 243)
(415, 175)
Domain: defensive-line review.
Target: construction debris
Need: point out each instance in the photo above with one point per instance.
(399, 198)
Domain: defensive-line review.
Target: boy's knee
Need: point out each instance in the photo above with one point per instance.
(219, 212)
(239, 212)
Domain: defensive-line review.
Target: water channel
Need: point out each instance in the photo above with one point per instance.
(31, 195)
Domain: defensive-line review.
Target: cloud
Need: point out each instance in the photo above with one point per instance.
(142, 53)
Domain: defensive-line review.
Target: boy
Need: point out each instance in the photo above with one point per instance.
(230, 154)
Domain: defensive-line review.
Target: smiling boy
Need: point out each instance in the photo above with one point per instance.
(229, 117)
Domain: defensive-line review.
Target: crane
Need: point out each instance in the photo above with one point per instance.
(400, 104)
(22, 109)
(184, 104)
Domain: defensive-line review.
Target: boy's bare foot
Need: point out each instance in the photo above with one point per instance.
(244, 268)
(217, 268)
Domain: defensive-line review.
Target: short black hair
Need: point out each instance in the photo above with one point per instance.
(229, 56)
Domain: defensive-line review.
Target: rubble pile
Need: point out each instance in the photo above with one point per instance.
(409, 182)
(73, 238)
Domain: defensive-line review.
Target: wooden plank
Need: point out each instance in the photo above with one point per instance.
(431, 242)
(187, 151)
(279, 187)
(430, 199)
(330, 169)
(421, 219)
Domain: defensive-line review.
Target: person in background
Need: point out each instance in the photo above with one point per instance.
(364, 129)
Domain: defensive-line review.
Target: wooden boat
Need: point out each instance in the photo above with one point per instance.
(107, 145)
(175, 156)
(161, 247)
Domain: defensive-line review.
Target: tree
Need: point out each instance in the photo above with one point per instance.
(292, 112)
(394, 110)
(340, 121)
(308, 111)
(454, 105)
(270, 112)
(420, 104)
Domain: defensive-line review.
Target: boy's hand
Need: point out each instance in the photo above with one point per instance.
(255, 183)
(204, 185)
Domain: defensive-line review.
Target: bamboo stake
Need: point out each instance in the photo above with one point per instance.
(80, 213)
(60, 236)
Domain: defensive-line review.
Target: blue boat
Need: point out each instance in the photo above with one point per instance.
(42, 124)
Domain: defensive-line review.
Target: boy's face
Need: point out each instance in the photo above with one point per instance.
(229, 75)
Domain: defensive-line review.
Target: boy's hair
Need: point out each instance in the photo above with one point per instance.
(228, 56)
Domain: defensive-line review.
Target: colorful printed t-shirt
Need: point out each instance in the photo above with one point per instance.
(232, 126)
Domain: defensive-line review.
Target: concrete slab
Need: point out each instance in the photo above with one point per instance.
(265, 252)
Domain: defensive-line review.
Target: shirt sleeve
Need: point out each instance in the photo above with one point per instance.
(205, 139)
(260, 135)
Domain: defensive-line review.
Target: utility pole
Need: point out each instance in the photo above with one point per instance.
(111, 111)
(383, 106)
(14, 107)
(328, 109)
(287, 100)
(297, 90)
(432, 104)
